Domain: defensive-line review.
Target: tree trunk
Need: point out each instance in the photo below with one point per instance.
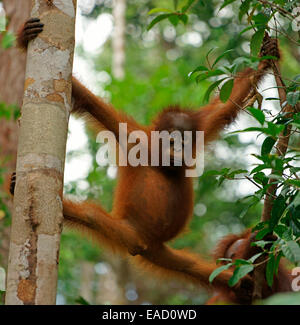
(86, 283)
(281, 145)
(12, 74)
(119, 11)
(37, 217)
(281, 149)
(109, 290)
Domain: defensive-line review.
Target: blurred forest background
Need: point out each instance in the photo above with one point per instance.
(154, 75)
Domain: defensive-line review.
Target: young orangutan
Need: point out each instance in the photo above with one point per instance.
(153, 204)
(239, 247)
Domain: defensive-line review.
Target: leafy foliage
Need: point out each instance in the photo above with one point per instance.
(7, 40)
(284, 169)
(255, 18)
(157, 70)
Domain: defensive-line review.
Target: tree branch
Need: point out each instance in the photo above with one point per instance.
(282, 143)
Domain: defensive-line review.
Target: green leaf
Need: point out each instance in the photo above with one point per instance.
(288, 235)
(260, 243)
(17, 112)
(226, 3)
(259, 226)
(293, 97)
(296, 201)
(296, 118)
(187, 6)
(221, 180)
(174, 19)
(208, 74)
(244, 8)
(240, 261)
(156, 10)
(221, 259)
(8, 40)
(184, 18)
(291, 251)
(255, 257)
(236, 172)
(239, 273)
(270, 270)
(157, 20)
(276, 177)
(277, 211)
(280, 230)
(258, 168)
(82, 301)
(277, 261)
(256, 41)
(280, 2)
(225, 171)
(210, 89)
(200, 68)
(221, 56)
(274, 129)
(219, 270)
(265, 57)
(260, 178)
(261, 19)
(254, 201)
(210, 51)
(293, 182)
(246, 30)
(225, 91)
(257, 114)
(295, 226)
(251, 129)
(211, 173)
(262, 233)
(293, 171)
(267, 145)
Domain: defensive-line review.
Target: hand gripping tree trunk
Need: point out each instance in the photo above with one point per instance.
(37, 217)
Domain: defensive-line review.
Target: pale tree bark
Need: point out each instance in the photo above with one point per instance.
(12, 74)
(37, 217)
(109, 291)
(86, 282)
(118, 40)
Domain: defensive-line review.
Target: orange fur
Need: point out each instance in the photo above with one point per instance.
(152, 205)
(239, 247)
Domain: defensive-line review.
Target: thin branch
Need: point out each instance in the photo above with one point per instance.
(280, 9)
(282, 143)
(284, 33)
